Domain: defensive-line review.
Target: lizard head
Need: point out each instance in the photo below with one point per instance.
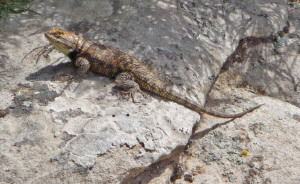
(62, 40)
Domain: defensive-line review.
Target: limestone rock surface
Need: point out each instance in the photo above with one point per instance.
(227, 55)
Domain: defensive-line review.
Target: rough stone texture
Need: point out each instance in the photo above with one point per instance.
(86, 132)
(249, 150)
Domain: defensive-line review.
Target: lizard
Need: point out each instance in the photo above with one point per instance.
(130, 74)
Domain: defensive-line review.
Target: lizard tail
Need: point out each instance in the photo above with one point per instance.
(170, 94)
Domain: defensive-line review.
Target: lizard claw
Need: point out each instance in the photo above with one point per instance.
(143, 94)
(131, 93)
(65, 78)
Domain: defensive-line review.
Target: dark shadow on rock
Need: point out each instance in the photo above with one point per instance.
(202, 133)
(52, 72)
(259, 19)
(141, 176)
(264, 69)
(156, 169)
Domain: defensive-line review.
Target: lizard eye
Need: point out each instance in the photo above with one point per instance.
(59, 34)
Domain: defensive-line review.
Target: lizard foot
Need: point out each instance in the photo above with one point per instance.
(131, 93)
(64, 78)
(126, 81)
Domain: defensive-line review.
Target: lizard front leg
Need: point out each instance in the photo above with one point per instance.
(126, 81)
(83, 65)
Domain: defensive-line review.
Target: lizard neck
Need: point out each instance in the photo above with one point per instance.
(73, 55)
(81, 47)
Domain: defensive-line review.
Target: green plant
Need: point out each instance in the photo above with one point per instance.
(14, 6)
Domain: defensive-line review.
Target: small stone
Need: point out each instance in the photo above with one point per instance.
(188, 178)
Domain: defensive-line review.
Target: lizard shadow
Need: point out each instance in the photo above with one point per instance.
(51, 72)
(66, 73)
(201, 134)
(59, 72)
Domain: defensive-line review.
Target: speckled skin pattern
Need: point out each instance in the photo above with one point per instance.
(130, 73)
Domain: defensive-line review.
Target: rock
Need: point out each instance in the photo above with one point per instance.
(270, 140)
(228, 55)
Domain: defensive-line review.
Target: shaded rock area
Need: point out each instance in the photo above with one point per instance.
(227, 55)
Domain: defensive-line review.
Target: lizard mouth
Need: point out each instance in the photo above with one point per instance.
(50, 38)
(47, 36)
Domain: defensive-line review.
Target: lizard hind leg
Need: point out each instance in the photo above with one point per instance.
(126, 81)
